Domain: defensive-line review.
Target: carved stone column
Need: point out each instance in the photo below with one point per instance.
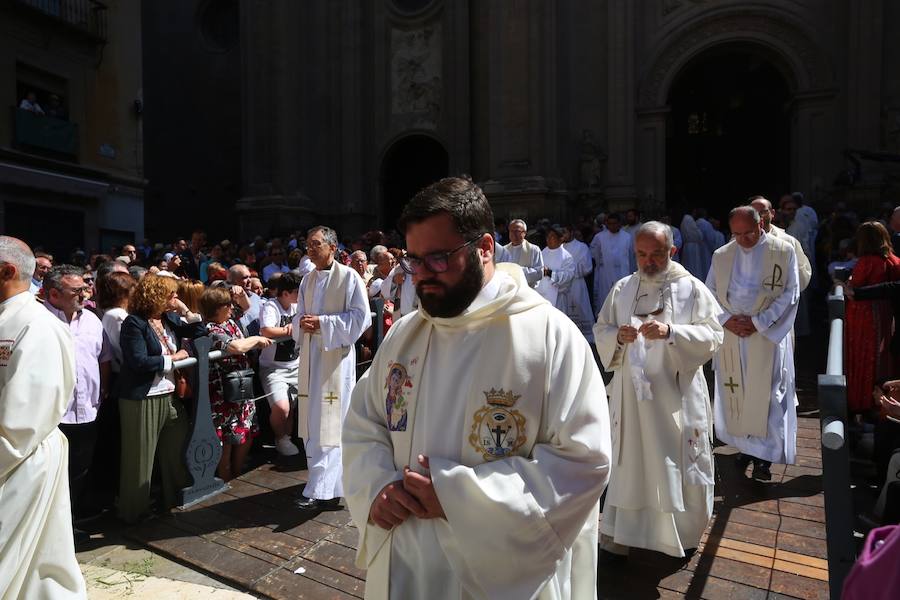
(651, 160)
(620, 190)
(864, 74)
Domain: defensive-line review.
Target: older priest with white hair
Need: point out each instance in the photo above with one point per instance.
(37, 378)
(523, 253)
(655, 331)
(756, 282)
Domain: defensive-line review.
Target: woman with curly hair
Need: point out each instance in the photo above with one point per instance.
(235, 424)
(868, 331)
(154, 421)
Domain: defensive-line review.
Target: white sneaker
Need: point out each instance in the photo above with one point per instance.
(286, 447)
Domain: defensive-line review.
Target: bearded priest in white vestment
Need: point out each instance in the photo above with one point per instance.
(616, 249)
(655, 331)
(332, 314)
(524, 253)
(477, 444)
(37, 379)
(755, 280)
(580, 310)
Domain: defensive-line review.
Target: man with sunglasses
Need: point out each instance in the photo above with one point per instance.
(64, 294)
(655, 331)
(476, 447)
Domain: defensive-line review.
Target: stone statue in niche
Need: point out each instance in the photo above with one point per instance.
(416, 73)
(592, 159)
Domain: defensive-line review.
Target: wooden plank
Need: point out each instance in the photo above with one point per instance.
(311, 530)
(802, 559)
(745, 557)
(801, 544)
(335, 556)
(802, 511)
(803, 527)
(270, 480)
(284, 584)
(329, 576)
(742, 546)
(799, 586)
(345, 536)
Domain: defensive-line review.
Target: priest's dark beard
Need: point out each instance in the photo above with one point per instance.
(455, 299)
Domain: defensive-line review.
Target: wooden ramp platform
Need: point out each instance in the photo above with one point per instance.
(765, 541)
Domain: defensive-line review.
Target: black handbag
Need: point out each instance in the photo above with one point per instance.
(237, 386)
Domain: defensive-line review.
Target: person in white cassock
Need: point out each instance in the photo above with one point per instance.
(524, 253)
(655, 331)
(755, 280)
(332, 314)
(804, 269)
(614, 251)
(37, 379)
(579, 309)
(559, 271)
(477, 444)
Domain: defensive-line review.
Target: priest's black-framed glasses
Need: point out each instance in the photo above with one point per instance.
(436, 262)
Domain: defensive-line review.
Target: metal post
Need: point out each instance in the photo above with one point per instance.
(204, 448)
(832, 395)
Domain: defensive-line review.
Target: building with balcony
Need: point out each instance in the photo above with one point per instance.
(71, 148)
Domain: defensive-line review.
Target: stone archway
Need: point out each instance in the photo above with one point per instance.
(771, 36)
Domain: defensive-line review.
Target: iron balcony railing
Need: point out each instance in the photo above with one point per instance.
(87, 16)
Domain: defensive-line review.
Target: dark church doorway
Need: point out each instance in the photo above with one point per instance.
(410, 164)
(728, 134)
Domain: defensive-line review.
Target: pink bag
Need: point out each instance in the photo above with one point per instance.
(876, 574)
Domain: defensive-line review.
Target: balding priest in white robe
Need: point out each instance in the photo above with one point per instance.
(477, 444)
(655, 331)
(615, 250)
(332, 314)
(804, 269)
(755, 280)
(37, 379)
(524, 253)
(580, 310)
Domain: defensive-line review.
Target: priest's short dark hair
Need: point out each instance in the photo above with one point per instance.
(458, 197)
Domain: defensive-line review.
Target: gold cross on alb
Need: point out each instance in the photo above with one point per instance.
(731, 384)
(330, 398)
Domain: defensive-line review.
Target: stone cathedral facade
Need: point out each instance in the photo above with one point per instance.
(340, 111)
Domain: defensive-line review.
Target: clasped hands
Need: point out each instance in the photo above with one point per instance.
(413, 495)
(309, 323)
(884, 398)
(740, 325)
(651, 330)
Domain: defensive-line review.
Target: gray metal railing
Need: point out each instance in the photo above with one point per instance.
(203, 449)
(832, 394)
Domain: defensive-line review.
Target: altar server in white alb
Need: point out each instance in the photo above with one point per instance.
(559, 271)
(613, 251)
(477, 444)
(755, 280)
(523, 253)
(37, 378)
(655, 331)
(332, 313)
(579, 309)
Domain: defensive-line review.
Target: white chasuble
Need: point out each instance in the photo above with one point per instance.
(617, 250)
(518, 443)
(327, 371)
(755, 404)
(528, 256)
(661, 489)
(37, 377)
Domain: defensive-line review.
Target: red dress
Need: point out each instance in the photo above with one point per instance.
(867, 333)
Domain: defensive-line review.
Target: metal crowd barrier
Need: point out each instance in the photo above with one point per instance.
(832, 393)
(203, 449)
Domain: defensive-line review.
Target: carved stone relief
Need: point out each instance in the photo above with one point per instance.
(416, 76)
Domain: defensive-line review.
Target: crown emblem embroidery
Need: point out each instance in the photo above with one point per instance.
(500, 397)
